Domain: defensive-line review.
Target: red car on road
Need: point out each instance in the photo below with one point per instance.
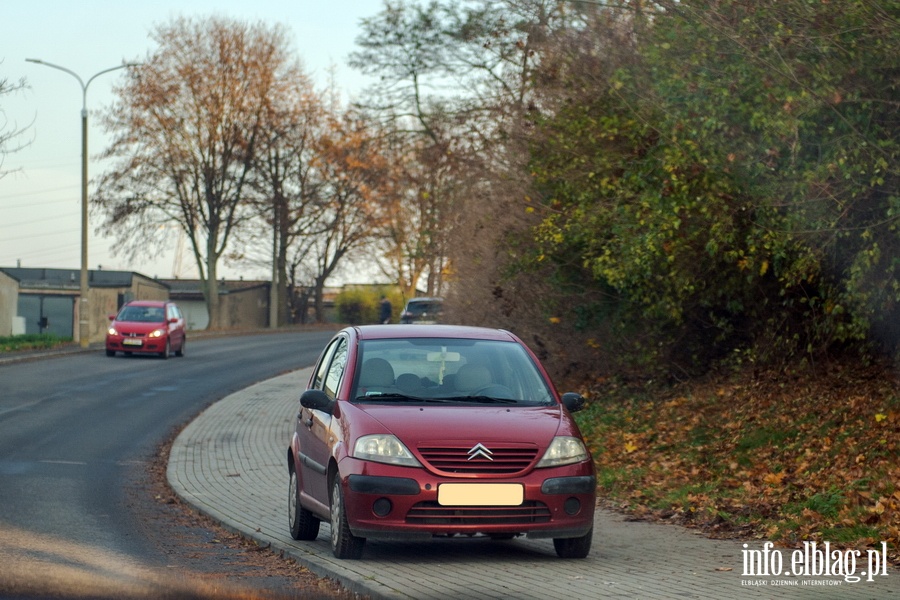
(147, 326)
(409, 433)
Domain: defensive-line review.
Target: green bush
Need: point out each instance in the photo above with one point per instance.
(361, 305)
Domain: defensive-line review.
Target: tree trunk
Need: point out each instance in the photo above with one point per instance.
(319, 300)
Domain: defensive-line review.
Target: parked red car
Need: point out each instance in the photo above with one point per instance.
(413, 432)
(147, 326)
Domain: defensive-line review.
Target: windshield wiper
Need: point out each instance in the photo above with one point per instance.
(395, 397)
(482, 399)
(378, 396)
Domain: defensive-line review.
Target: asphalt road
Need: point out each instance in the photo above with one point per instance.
(75, 431)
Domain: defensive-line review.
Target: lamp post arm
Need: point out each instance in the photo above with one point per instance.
(70, 72)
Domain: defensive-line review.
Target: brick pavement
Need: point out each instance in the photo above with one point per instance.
(230, 463)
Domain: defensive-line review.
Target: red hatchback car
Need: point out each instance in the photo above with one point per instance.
(147, 326)
(409, 433)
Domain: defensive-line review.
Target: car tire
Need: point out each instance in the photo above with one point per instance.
(167, 351)
(578, 547)
(344, 544)
(180, 351)
(303, 524)
(110, 352)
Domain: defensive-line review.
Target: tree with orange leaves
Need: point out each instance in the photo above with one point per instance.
(355, 173)
(188, 124)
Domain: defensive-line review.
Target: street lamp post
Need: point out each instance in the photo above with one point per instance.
(84, 329)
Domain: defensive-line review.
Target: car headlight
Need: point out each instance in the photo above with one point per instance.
(564, 451)
(384, 448)
(112, 331)
(157, 333)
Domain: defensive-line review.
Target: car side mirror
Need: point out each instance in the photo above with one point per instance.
(316, 400)
(111, 317)
(573, 401)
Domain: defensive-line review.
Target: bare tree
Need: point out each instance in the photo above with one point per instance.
(189, 124)
(415, 227)
(10, 133)
(289, 185)
(407, 46)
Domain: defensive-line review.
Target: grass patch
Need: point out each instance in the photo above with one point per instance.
(31, 341)
(828, 504)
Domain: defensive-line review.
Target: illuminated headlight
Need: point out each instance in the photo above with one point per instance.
(564, 451)
(384, 448)
(112, 331)
(157, 333)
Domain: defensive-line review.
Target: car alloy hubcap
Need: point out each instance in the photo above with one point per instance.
(292, 501)
(336, 510)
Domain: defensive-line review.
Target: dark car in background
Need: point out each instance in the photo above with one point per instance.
(422, 311)
(405, 433)
(147, 327)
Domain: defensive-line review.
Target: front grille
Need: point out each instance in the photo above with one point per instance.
(432, 513)
(457, 460)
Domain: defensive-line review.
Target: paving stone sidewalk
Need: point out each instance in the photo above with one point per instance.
(230, 463)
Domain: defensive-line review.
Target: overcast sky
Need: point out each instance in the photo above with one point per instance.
(40, 199)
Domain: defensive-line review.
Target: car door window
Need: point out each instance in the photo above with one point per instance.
(322, 369)
(336, 369)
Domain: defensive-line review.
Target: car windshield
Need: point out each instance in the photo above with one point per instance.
(142, 314)
(421, 308)
(448, 370)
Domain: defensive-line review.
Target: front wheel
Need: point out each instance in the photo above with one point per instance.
(578, 547)
(304, 525)
(343, 543)
(167, 351)
(110, 352)
(180, 351)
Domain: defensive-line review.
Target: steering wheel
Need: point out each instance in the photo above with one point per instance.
(494, 390)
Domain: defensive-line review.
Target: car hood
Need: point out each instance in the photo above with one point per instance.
(415, 425)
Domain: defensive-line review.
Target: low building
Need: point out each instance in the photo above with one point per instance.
(242, 304)
(37, 300)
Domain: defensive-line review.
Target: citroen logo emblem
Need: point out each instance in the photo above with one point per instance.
(480, 450)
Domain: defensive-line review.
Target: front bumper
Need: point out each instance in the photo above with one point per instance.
(402, 503)
(148, 344)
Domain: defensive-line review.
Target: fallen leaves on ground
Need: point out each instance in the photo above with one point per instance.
(787, 457)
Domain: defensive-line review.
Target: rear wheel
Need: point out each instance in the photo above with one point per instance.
(343, 543)
(304, 525)
(578, 547)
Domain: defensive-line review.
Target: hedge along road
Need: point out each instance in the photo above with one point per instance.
(230, 463)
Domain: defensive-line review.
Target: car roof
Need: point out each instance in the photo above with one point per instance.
(147, 303)
(393, 331)
(426, 299)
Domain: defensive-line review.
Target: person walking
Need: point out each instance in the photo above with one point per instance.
(386, 310)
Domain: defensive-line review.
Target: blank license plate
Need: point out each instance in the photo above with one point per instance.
(481, 494)
(132, 342)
